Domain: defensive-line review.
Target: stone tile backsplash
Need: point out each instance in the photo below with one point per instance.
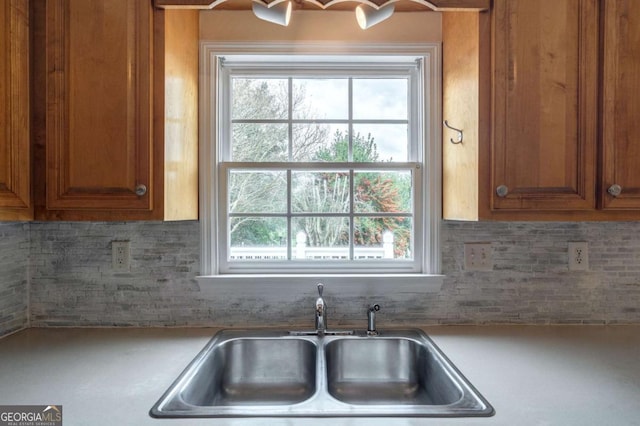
(72, 282)
(531, 281)
(14, 289)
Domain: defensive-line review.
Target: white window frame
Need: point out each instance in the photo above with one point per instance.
(211, 95)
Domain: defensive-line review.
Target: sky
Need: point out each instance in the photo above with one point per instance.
(374, 98)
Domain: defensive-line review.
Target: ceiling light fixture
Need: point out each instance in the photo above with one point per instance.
(276, 13)
(368, 16)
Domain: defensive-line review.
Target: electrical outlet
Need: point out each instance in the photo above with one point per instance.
(120, 254)
(477, 257)
(579, 256)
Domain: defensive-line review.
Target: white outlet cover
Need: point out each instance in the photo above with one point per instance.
(579, 256)
(478, 257)
(120, 255)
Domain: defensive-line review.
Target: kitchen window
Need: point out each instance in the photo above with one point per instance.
(319, 163)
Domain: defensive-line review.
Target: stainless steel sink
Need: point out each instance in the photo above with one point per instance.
(387, 371)
(254, 371)
(279, 373)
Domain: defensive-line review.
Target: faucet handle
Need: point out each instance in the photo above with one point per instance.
(320, 289)
(371, 320)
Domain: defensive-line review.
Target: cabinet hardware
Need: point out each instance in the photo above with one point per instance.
(141, 190)
(460, 135)
(615, 190)
(502, 191)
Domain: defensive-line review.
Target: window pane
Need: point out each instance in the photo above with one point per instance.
(381, 142)
(386, 192)
(260, 142)
(320, 99)
(255, 238)
(320, 142)
(291, 192)
(320, 192)
(257, 192)
(321, 238)
(382, 99)
(259, 98)
(382, 238)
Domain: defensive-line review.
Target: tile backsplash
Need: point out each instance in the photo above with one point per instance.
(71, 281)
(14, 289)
(531, 281)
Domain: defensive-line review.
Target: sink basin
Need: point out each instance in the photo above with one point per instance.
(387, 371)
(262, 373)
(254, 371)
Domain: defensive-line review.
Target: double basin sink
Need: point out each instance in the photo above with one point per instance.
(279, 373)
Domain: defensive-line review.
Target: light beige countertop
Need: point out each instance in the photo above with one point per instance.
(532, 375)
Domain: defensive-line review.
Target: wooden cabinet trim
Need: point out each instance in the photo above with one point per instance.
(436, 5)
(15, 182)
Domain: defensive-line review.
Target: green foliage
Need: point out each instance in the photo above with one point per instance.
(374, 192)
(364, 149)
(259, 232)
(379, 192)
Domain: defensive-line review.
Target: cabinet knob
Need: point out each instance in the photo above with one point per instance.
(502, 191)
(141, 190)
(615, 190)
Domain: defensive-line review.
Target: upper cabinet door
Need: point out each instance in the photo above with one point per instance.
(544, 104)
(15, 149)
(621, 105)
(99, 104)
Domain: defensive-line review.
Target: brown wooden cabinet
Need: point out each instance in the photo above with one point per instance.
(466, 104)
(106, 148)
(561, 82)
(621, 105)
(544, 124)
(99, 105)
(15, 145)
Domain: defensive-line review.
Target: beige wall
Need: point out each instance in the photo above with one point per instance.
(324, 25)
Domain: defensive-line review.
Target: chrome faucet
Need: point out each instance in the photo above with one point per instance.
(371, 319)
(321, 312)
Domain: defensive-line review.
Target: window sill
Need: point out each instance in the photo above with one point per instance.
(348, 284)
